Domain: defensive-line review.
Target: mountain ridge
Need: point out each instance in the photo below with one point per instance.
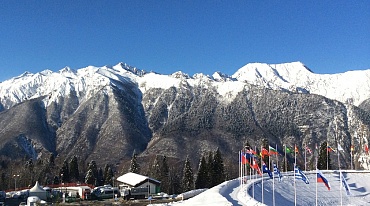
(107, 113)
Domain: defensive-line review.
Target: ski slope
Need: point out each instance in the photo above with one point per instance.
(230, 192)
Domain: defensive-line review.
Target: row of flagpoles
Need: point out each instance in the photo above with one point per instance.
(248, 156)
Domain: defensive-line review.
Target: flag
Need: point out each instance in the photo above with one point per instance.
(352, 147)
(277, 172)
(308, 150)
(273, 151)
(265, 169)
(366, 149)
(330, 149)
(288, 150)
(244, 158)
(345, 185)
(296, 149)
(321, 178)
(300, 175)
(340, 148)
(256, 167)
(265, 152)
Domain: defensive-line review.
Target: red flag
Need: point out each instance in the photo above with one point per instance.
(352, 147)
(256, 167)
(296, 149)
(308, 150)
(265, 152)
(244, 159)
(366, 149)
(330, 149)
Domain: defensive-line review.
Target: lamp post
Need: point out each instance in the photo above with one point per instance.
(15, 182)
(113, 187)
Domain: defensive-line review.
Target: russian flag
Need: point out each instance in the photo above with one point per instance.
(243, 158)
(321, 178)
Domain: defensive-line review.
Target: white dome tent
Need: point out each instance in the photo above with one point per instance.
(38, 191)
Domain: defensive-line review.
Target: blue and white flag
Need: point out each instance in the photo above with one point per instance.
(345, 185)
(277, 172)
(265, 169)
(300, 175)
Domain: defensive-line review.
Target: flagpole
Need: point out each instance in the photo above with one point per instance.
(340, 176)
(273, 187)
(286, 169)
(262, 174)
(327, 156)
(317, 153)
(295, 162)
(305, 148)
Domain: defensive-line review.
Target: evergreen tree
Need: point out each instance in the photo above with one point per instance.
(188, 178)
(165, 187)
(155, 171)
(134, 166)
(209, 167)
(218, 171)
(100, 177)
(202, 177)
(324, 157)
(108, 175)
(73, 170)
(64, 172)
(89, 178)
(94, 173)
(175, 181)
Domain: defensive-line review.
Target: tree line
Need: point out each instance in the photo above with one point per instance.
(174, 178)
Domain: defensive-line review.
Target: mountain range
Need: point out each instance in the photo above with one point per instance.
(107, 113)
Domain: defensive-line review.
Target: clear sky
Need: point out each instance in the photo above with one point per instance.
(192, 36)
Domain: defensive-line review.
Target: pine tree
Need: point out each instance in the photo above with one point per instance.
(202, 176)
(164, 175)
(108, 175)
(134, 166)
(100, 177)
(218, 171)
(155, 171)
(73, 169)
(89, 178)
(94, 173)
(188, 178)
(324, 157)
(64, 172)
(209, 169)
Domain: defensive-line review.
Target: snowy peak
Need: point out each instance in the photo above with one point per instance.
(123, 67)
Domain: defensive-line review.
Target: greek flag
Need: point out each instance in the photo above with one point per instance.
(277, 172)
(345, 185)
(300, 175)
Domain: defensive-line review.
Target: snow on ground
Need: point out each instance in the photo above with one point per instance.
(230, 192)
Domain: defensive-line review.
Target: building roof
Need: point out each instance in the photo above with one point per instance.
(37, 188)
(134, 179)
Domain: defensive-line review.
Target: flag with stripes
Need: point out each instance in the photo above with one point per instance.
(345, 185)
(300, 175)
(321, 178)
(277, 172)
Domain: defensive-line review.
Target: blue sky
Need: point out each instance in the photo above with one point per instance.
(191, 36)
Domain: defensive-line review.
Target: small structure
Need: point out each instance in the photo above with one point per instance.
(38, 191)
(135, 181)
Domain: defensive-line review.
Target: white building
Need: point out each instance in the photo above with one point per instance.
(131, 180)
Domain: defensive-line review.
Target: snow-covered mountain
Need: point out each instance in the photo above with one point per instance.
(351, 86)
(106, 113)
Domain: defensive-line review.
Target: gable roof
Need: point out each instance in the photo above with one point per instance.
(134, 179)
